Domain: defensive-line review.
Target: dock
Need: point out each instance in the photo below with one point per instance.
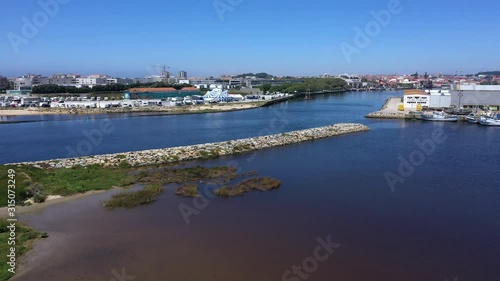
(390, 111)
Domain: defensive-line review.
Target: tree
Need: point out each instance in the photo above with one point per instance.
(265, 88)
(415, 75)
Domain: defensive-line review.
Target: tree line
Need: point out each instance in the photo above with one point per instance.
(261, 75)
(308, 84)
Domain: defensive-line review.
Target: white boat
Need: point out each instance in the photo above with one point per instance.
(473, 118)
(476, 118)
(439, 116)
(489, 121)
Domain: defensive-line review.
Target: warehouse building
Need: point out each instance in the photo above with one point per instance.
(473, 95)
(432, 99)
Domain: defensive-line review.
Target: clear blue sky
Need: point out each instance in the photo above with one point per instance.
(126, 38)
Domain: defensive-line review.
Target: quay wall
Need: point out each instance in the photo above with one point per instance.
(201, 151)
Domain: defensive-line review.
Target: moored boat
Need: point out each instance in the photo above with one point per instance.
(473, 118)
(489, 121)
(439, 116)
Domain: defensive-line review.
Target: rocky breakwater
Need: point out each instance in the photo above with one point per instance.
(201, 151)
(386, 115)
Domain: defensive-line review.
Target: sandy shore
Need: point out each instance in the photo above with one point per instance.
(51, 201)
(23, 112)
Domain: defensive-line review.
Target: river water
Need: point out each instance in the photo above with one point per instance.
(408, 200)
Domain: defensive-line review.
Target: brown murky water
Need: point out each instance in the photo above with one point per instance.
(429, 229)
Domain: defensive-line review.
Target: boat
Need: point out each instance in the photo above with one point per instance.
(473, 118)
(489, 121)
(476, 118)
(439, 116)
(459, 111)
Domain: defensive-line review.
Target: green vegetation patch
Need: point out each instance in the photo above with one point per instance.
(188, 190)
(25, 237)
(242, 147)
(260, 184)
(134, 199)
(37, 183)
(214, 175)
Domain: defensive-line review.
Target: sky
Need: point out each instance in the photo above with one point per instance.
(214, 37)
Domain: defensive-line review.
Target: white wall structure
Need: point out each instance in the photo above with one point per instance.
(236, 97)
(412, 98)
(473, 95)
(439, 99)
(91, 81)
(475, 87)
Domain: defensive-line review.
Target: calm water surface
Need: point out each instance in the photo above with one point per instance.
(55, 136)
(442, 222)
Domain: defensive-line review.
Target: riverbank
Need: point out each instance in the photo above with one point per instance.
(200, 151)
(209, 108)
(23, 112)
(24, 238)
(150, 110)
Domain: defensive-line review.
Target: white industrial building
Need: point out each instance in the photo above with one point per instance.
(413, 98)
(439, 99)
(427, 99)
(473, 95)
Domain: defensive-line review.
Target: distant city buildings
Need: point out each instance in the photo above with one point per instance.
(461, 87)
(4, 83)
(29, 81)
(182, 74)
(353, 81)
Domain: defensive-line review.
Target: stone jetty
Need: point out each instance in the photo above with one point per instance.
(387, 115)
(201, 151)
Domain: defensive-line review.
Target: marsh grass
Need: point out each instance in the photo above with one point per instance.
(134, 199)
(188, 190)
(189, 175)
(260, 184)
(37, 183)
(25, 237)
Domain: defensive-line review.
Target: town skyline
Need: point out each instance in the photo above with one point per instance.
(226, 74)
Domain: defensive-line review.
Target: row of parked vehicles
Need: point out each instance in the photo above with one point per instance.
(7, 101)
(105, 102)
